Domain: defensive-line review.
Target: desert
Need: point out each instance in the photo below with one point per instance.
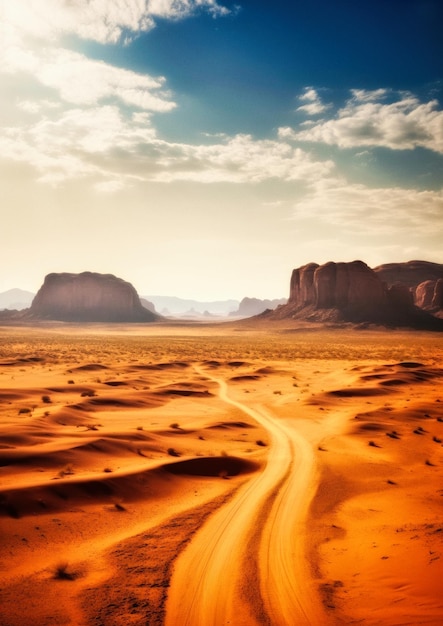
(220, 474)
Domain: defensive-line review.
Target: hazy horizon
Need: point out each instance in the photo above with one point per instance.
(204, 149)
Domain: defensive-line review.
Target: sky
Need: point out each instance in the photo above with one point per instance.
(204, 148)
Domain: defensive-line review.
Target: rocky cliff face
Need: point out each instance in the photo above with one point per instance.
(350, 292)
(351, 288)
(89, 297)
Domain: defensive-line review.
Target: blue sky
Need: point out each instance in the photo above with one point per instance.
(205, 149)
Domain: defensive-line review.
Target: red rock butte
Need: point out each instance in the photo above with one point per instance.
(89, 297)
(353, 292)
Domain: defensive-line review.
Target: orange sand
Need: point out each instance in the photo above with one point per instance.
(220, 474)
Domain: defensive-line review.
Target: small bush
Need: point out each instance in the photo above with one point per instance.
(46, 400)
(63, 572)
(373, 444)
(173, 452)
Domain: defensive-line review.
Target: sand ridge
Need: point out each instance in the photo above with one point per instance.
(117, 451)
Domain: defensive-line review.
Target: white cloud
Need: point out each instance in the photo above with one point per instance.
(31, 30)
(314, 105)
(313, 108)
(103, 21)
(369, 95)
(404, 124)
(80, 80)
(241, 159)
(310, 94)
(103, 143)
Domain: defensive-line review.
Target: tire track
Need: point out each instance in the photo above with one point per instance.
(206, 587)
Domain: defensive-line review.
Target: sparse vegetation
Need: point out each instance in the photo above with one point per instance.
(393, 435)
(46, 399)
(173, 452)
(64, 572)
(373, 444)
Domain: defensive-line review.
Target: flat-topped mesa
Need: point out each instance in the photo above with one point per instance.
(89, 297)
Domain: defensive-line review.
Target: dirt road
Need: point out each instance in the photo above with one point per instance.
(225, 578)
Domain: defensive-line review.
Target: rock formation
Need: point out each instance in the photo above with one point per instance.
(429, 296)
(421, 277)
(254, 306)
(352, 292)
(89, 297)
(410, 274)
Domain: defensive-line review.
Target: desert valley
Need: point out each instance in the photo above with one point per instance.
(284, 469)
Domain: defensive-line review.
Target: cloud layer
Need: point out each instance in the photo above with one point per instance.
(367, 120)
(69, 117)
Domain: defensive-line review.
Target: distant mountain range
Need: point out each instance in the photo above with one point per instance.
(171, 305)
(18, 299)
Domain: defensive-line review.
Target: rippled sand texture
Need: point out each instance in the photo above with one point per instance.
(200, 476)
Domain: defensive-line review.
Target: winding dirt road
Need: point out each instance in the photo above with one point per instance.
(224, 577)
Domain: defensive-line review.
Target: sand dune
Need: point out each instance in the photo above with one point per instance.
(302, 469)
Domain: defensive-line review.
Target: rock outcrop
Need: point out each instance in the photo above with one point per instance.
(350, 292)
(429, 296)
(89, 297)
(424, 279)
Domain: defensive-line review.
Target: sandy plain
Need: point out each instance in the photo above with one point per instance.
(212, 475)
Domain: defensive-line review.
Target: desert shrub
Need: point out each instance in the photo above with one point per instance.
(259, 442)
(175, 425)
(173, 452)
(46, 400)
(24, 411)
(63, 572)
